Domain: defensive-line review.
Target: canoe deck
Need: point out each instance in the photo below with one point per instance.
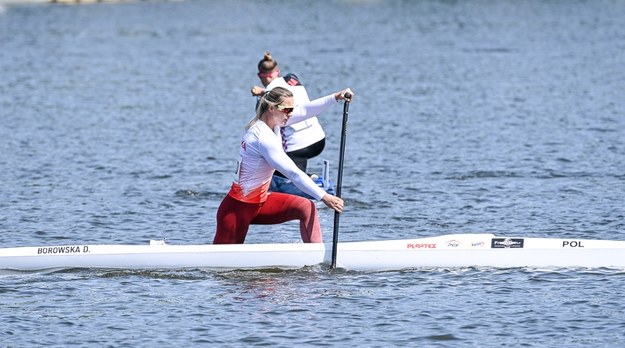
(454, 250)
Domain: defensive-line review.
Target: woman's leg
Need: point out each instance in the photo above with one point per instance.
(281, 207)
(233, 220)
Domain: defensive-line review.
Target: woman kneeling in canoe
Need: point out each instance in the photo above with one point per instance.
(248, 201)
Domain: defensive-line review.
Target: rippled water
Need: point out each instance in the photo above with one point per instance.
(119, 123)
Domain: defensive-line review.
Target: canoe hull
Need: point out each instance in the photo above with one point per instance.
(458, 250)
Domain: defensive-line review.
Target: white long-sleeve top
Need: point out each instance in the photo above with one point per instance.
(261, 154)
(303, 129)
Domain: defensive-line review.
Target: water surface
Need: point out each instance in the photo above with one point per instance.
(120, 123)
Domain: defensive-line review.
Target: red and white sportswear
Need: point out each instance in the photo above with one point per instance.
(261, 154)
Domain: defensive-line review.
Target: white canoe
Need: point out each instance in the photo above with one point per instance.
(454, 250)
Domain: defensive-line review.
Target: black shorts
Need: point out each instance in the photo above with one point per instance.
(301, 156)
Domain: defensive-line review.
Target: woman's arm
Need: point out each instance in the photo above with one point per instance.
(317, 106)
(271, 150)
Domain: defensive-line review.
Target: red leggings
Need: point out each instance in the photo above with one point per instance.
(234, 217)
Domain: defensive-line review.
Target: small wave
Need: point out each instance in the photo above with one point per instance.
(489, 50)
(542, 174)
(179, 274)
(187, 193)
(480, 174)
(445, 337)
(602, 130)
(199, 194)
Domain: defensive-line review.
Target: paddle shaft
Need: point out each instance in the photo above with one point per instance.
(339, 181)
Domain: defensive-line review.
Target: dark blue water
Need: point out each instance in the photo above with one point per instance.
(120, 123)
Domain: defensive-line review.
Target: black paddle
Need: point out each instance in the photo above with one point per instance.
(339, 181)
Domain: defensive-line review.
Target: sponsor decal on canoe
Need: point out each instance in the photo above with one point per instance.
(453, 243)
(479, 244)
(421, 246)
(572, 244)
(68, 249)
(507, 243)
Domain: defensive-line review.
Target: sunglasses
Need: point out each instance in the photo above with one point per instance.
(285, 108)
(268, 74)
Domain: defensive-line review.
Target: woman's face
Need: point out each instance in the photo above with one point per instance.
(267, 77)
(282, 112)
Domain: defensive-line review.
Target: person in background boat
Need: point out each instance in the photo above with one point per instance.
(302, 140)
(249, 200)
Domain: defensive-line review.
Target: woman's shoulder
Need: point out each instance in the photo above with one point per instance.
(299, 94)
(292, 80)
(260, 129)
(277, 82)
